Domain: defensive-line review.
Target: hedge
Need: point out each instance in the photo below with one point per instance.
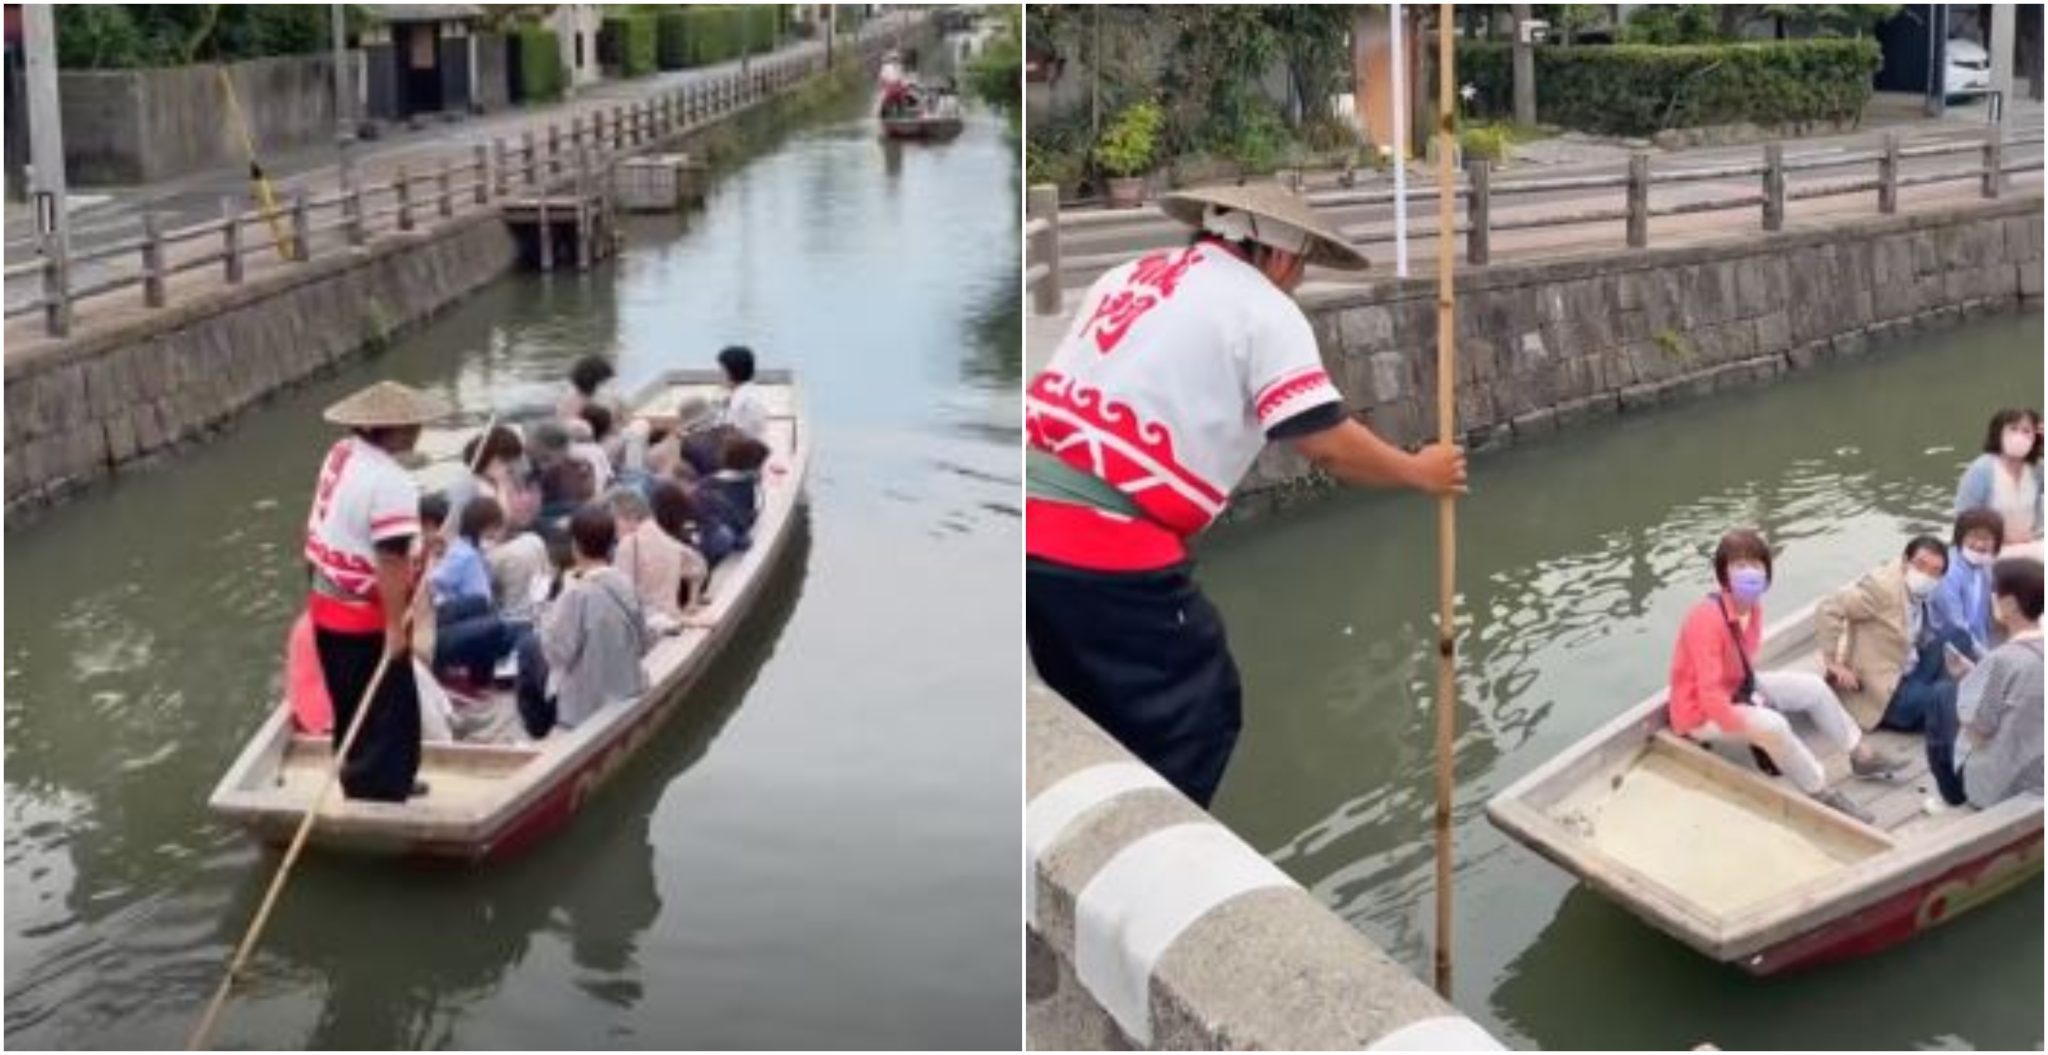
(540, 65)
(628, 44)
(1633, 89)
(716, 34)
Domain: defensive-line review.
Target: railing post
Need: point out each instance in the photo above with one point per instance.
(1774, 186)
(444, 183)
(483, 174)
(1479, 211)
(1888, 175)
(546, 235)
(618, 128)
(231, 240)
(1042, 202)
(152, 261)
(554, 150)
(1994, 160)
(302, 229)
(532, 170)
(56, 291)
(1638, 200)
(404, 188)
(501, 173)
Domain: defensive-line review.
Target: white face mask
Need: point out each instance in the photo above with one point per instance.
(2018, 443)
(1919, 583)
(1976, 558)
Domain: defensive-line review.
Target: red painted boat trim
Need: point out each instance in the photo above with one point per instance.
(1907, 913)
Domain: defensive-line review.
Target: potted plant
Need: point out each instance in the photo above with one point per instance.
(1126, 150)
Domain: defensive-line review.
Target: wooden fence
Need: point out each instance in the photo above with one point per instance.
(1478, 193)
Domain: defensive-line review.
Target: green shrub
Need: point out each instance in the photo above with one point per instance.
(1628, 89)
(540, 65)
(1485, 141)
(1129, 143)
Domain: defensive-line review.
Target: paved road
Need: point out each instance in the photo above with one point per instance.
(103, 215)
(1087, 249)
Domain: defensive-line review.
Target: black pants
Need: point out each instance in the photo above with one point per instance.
(1144, 656)
(386, 756)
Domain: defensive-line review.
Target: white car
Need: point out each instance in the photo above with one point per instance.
(1969, 68)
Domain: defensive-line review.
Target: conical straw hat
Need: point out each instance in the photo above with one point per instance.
(1273, 202)
(387, 404)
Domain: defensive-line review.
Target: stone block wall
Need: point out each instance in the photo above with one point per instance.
(78, 410)
(1548, 345)
(136, 126)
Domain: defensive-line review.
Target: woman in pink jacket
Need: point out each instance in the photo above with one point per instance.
(1716, 694)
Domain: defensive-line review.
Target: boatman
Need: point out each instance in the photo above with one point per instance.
(1178, 368)
(359, 543)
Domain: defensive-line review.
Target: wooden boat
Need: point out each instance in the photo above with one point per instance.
(1745, 868)
(935, 117)
(490, 801)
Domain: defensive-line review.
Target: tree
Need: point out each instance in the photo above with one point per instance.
(1312, 41)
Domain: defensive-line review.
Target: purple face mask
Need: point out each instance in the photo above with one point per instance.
(1748, 584)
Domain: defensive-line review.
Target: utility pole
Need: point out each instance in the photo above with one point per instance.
(2000, 44)
(1937, 59)
(1398, 50)
(46, 131)
(1524, 67)
(831, 31)
(344, 109)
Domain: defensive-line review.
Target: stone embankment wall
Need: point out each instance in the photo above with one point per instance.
(1547, 345)
(77, 409)
(1149, 925)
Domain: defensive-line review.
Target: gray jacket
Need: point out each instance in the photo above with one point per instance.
(593, 636)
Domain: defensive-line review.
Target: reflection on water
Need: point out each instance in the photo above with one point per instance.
(820, 848)
(1577, 559)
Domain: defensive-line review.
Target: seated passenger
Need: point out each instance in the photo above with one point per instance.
(1962, 605)
(470, 635)
(745, 407)
(2002, 701)
(1717, 695)
(589, 382)
(592, 636)
(676, 513)
(733, 493)
(499, 461)
(1882, 648)
(2006, 478)
(664, 570)
(566, 482)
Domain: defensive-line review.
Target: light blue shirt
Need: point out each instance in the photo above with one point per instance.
(461, 573)
(1963, 600)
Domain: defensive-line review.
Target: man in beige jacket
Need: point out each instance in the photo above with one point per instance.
(1882, 652)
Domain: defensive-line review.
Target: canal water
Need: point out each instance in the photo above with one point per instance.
(820, 851)
(1578, 557)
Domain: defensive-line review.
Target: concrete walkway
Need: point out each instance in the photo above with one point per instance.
(105, 215)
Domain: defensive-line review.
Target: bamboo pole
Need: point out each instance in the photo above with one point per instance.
(1447, 504)
(202, 1035)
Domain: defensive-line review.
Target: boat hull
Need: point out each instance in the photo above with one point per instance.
(921, 128)
(1907, 913)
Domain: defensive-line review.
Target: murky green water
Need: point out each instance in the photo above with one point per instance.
(819, 852)
(1577, 559)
